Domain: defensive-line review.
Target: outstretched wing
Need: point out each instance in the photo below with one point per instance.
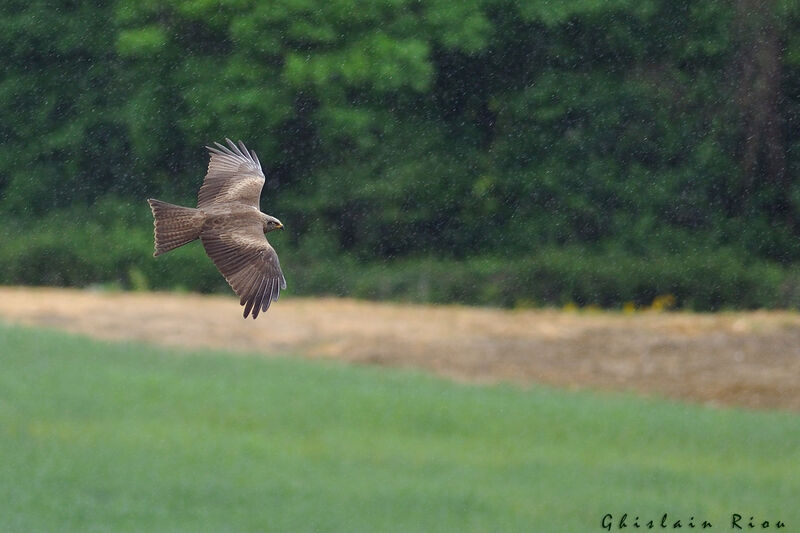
(234, 175)
(248, 262)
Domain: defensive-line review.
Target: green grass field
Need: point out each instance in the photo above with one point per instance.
(126, 437)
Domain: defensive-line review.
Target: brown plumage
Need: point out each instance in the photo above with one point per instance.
(230, 225)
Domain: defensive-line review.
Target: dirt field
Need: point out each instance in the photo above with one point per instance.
(743, 359)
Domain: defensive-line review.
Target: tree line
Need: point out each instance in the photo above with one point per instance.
(516, 144)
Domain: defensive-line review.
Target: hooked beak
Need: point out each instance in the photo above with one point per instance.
(279, 226)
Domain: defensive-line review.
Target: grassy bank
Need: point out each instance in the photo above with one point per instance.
(125, 437)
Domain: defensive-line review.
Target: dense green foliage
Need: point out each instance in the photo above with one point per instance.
(640, 132)
(105, 437)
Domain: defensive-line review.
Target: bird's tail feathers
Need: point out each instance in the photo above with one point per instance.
(174, 225)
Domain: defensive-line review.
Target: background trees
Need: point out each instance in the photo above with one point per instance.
(476, 151)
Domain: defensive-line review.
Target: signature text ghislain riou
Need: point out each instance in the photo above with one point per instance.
(736, 522)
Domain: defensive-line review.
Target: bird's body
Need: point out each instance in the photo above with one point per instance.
(230, 225)
(222, 215)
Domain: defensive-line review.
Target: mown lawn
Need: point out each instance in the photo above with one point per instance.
(127, 437)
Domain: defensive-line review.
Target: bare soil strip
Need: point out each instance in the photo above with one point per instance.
(748, 359)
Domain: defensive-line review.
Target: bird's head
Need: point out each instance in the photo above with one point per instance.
(271, 223)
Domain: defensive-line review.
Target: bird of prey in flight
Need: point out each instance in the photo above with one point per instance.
(231, 226)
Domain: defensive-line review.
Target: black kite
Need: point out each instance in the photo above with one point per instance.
(231, 226)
